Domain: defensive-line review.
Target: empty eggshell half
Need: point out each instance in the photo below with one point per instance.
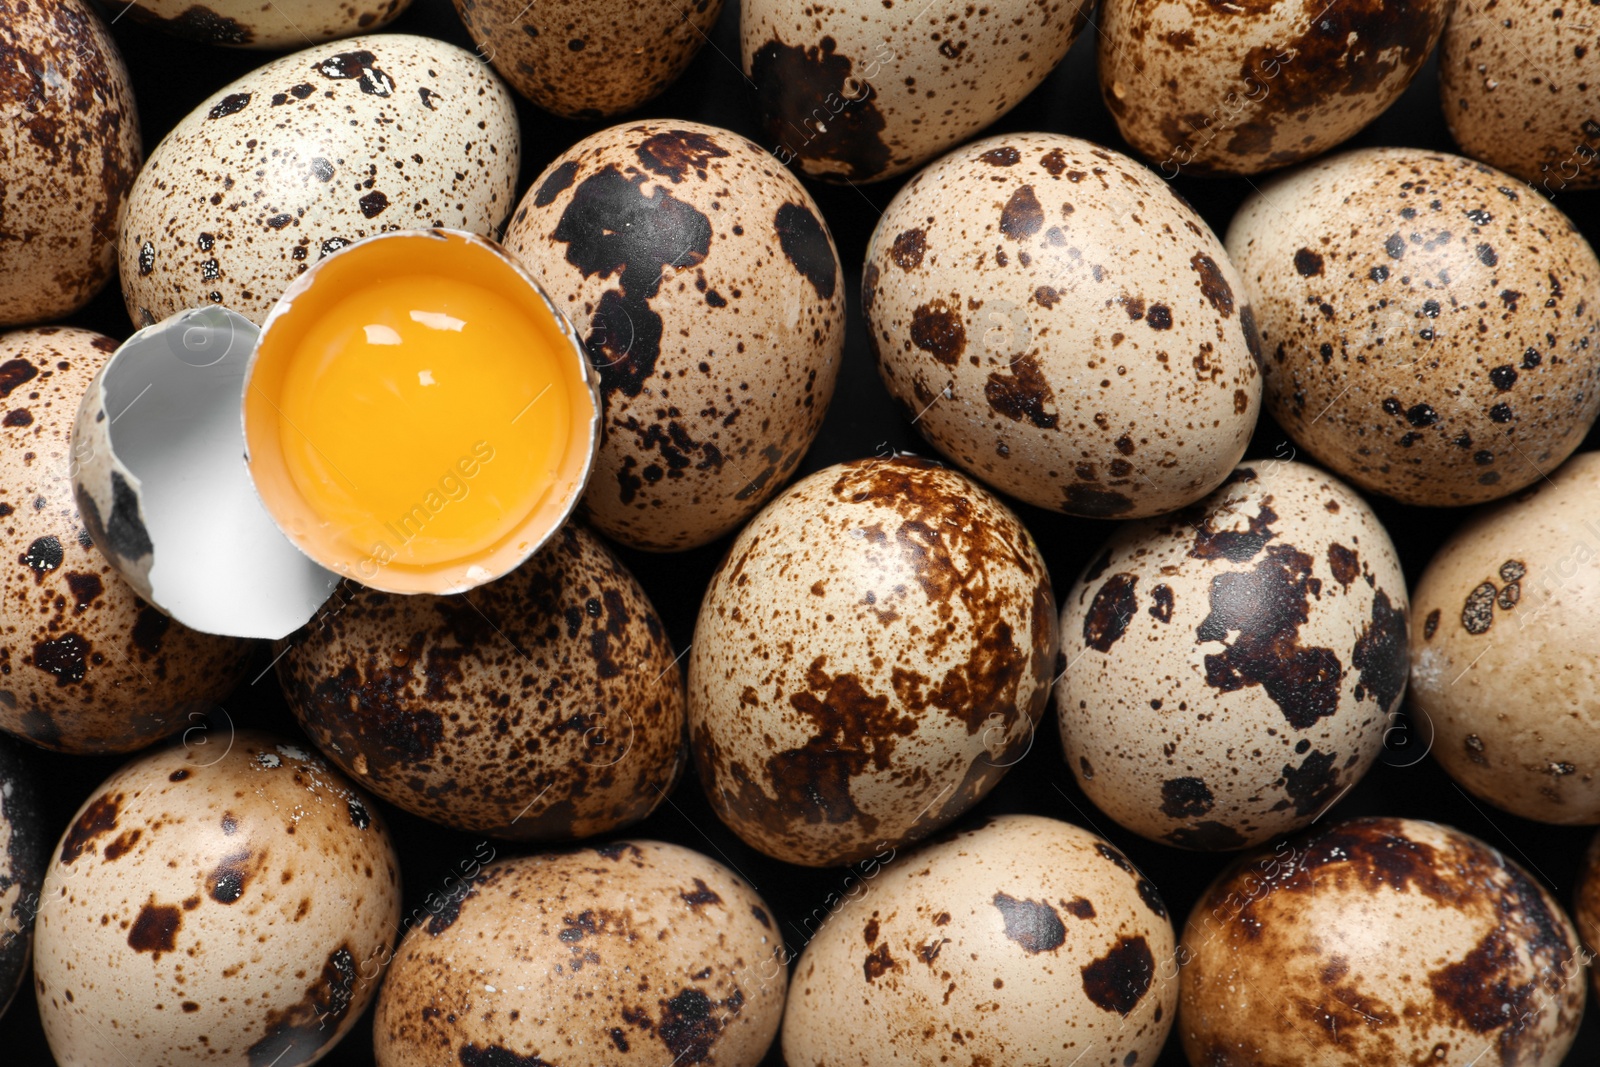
(163, 490)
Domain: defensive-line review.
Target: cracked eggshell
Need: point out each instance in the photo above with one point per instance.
(1503, 660)
(85, 665)
(307, 154)
(69, 150)
(858, 92)
(583, 59)
(1291, 957)
(266, 23)
(871, 657)
(1430, 326)
(1203, 87)
(164, 493)
(1055, 320)
(548, 707)
(1036, 933)
(23, 847)
(232, 909)
(631, 953)
(708, 292)
(1229, 671)
(1518, 87)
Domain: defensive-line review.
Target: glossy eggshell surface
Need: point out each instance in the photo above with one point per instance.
(585, 59)
(860, 92)
(706, 287)
(1430, 326)
(85, 665)
(631, 953)
(871, 657)
(1231, 670)
(1025, 940)
(69, 150)
(1203, 87)
(307, 154)
(1503, 654)
(549, 706)
(1379, 941)
(265, 23)
(1054, 319)
(23, 847)
(224, 902)
(1520, 91)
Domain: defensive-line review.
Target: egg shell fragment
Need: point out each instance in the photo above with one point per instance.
(310, 153)
(871, 657)
(1431, 326)
(1218, 87)
(1023, 940)
(630, 953)
(228, 901)
(1519, 89)
(1230, 671)
(85, 665)
(1379, 941)
(707, 290)
(1054, 319)
(862, 92)
(586, 59)
(1503, 667)
(546, 705)
(69, 150)
(23, 847)
(265, 23)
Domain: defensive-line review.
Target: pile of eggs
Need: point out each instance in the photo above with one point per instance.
(753, 760)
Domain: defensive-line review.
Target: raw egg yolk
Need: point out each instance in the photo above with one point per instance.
(417, 416)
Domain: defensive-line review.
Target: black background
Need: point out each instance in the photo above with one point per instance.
(170, 77)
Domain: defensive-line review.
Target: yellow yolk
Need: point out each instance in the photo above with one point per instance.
(417, 415)
(423, 413)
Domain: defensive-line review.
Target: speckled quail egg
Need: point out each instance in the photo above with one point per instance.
(1213, 87)
(1379, 941)
(1229, 671)
(265, 23)
(1430, 326)
(1520, 90)
(707, 290)
(1503, 661)
(1586, 908)
(635, 952)
(22, 858)
(860, 92)
(229, 901)
(583, 59)
(1025, 940)
(547, 704)
(69, 150)
(85, 665)
(871, 657)
(1054, 319)
(305, 155)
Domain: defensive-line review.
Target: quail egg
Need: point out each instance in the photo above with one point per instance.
(870, 659)
(547, 704)
(1230, 671)
(632, 953)
(1379, 941)
(1430, 326)
(1052, 317)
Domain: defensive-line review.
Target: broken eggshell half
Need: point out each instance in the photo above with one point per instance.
(157, 467)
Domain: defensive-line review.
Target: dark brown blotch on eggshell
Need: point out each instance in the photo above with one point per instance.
(89, 667)
(247, 24)
(548, 707)
(705, 286)
(942, 592)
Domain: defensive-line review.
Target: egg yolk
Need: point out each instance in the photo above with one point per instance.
(423, 413)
